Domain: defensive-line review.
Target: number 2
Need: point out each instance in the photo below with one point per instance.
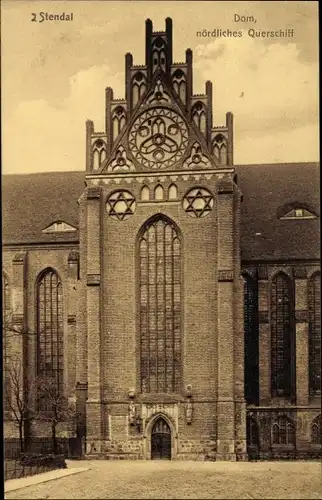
(34, 18)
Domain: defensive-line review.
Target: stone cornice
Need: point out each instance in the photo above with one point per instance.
(161, 173)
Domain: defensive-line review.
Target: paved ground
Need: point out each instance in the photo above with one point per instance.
(42, 477)
(180, 480)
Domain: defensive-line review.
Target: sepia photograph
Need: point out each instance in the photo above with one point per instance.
(161, 286)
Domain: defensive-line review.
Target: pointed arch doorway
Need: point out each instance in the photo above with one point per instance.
(160, 440)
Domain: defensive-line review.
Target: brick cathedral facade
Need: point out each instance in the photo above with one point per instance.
(182, 291)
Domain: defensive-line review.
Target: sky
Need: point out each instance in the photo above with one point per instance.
(54, 74)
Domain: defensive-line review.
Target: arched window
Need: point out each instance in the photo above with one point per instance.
(251, 339)
(173, 192)
(99, 153)
(199, 116)
(5, 348)
(219, 149)
(179, 84)
(316, 431)
(158, 193)
(160, 306)
(50, 361)
(145, 193)
(118, 119)
(159, 54)
(282, 336)
(283, 431)
(314, 309)
(252, 432)
(138, 87)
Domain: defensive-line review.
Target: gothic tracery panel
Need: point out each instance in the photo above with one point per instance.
(160, 306)
(198, 114)
(120, 205)
(198, 202)
(158, 138)
(282, 341)
(138, 87)
(196, 159)
(99, 153)
(121, 162)
(50, 342)
(283, 431)
(179, 84)
(119, 120)
(251, 339)
(219, 149)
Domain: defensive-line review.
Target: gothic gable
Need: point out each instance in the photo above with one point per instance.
(160, 124)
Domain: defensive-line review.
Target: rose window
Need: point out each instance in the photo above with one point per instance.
(158, 138)
(120, 205)
(198, 202)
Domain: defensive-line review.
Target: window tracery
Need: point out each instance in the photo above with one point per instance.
(119, 120)
(50, 352)
(179, 84)
(198, 202)
(158, 138)
(159, 54)
(219, 148)
(196, 159)
(121, 162)
(99, 153)
(198, 114)
(160, 306)
(252, 432)
(251, 338)
(316, 431)
(138, 87)
(281, 335)
(283, 432)
(120, 205)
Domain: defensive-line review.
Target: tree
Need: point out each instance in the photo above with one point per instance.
(19, 393)
(53, 406)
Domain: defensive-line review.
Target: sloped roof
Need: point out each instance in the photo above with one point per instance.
(267, 188)
(31, 202)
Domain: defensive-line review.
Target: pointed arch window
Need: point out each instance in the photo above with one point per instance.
(314, 310)
(179, 84)
(316, 431)
(118, 119)
(219, 148)
(159, 54)
(50, 361)
(99, 153)
(199, 116)
(252, 432)
(138, 87)
(173, 192)
(283, 432)
(145, 193)
(158, 193)
(160, 306)
(282, 336)
(251, 339)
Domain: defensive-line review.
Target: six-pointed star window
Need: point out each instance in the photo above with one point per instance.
(121, 205)
(198, 202)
